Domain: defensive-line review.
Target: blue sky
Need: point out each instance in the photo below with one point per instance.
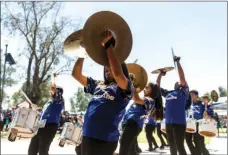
(196, 30)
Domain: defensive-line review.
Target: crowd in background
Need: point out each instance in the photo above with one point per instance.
(6, 118)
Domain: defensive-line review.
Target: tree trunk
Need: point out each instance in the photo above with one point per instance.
(28, 83)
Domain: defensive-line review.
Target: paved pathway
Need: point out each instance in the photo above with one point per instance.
(216, 146)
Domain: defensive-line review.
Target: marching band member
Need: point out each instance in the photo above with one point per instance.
(79, 122)
(134, 118)
(189, 137)
(198, 110)
(106, 109)
(49, 122)
(150, 129)
(175, 111)
(208, 112)
(160, 135)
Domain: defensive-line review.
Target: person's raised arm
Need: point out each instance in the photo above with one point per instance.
(77, 72)
(158, 81)
(180, 71)
(116, 68)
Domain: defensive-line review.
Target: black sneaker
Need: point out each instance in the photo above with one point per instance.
(139, 150)
(162, 147)
(150, 149)
(155, 148)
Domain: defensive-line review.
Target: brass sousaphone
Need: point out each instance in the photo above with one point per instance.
(138, 76)
(93, 33)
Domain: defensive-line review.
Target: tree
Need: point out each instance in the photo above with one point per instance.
(80, 99)
(44, 87)
(222, 92)
(8, 80)
(72, 106)
(208, 94)
(44, 31)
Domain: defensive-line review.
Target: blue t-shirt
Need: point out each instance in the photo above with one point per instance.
(151, 121)
(198, 109)
(175, 105)
(137, 112)
(105, 110)
(51, 112)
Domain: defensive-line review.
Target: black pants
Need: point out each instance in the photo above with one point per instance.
(149, 136)
(176, 135)
(78, 149)
(1, 125)
(190, 140)
(199, 143)
(91, 146)
(128, 141)
(160, 134)
(41, 142)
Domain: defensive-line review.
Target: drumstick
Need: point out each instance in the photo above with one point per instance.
(26, 97)
(173, 57)
(53, 79)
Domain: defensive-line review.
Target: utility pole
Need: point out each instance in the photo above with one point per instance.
(3, 79)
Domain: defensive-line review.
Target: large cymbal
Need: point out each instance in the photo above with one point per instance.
(74, 44)
(140, 74)
(165, 69)
(214, 96)
(94, 34)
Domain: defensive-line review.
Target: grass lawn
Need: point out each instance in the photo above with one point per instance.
(142, 138)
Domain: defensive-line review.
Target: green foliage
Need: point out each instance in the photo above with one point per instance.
(44, 30)
(208, 94)
(80, 100)
(222, 92)
(45, 96)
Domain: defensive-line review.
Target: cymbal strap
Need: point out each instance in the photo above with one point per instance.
(110, 41)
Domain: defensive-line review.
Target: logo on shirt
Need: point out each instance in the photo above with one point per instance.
(196, 109)
(103, 94)
(171, 97)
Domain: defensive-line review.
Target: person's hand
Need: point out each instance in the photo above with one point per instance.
(163, 72)
(176, 58)
(205, 115)
(132, 77)
(53, 90)
(109, 41)
(137, 89)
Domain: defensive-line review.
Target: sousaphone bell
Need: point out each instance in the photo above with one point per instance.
(138, 76)
(93, 33)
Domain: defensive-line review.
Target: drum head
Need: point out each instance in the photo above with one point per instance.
(140, 74)
(165, 69)
(94, 34)
(214, 96)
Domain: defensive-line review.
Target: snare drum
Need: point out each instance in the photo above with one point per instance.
(24, 122)
(71, 133)
(207, 127)
(191, 125)
(163, 129)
